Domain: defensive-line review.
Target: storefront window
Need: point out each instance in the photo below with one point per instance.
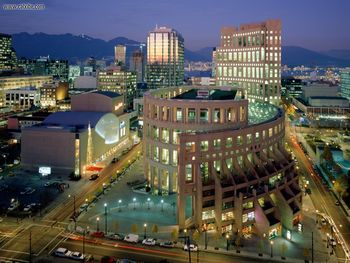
(208, 214)
(204, 145)
(189, 177)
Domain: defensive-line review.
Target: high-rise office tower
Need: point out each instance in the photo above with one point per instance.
(120, 55)
(7, 53)
(250, 56)
(165, 58)
(345, 83)
(213, 63)
(137, 64)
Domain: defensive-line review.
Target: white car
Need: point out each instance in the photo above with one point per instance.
(131, 238)
(323, 221)
(332, 242)
(83, 207)
(63, 252)
(149, 242)
(13, 206)
(27, 208)
(193, 247)
(77, 256)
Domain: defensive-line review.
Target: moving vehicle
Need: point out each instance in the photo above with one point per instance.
(93, 177)
(62, 252)
(149, 242)
(332, 242)
(337, 203)
(131, 238)
(193, 247)
(168, 244)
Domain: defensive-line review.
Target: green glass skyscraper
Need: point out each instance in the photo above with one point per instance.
(345, 83)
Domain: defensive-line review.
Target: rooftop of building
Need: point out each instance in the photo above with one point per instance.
(110, 94)
(203, 94)
(327, 98)
(28, 88)
(79, 119)
(259, 112)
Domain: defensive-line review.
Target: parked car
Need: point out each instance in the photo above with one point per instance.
(131, 238)
(83, 207)
(99, 234)
(108, 259)
(27, 208)
(62, 252)
(149, 242)
(77, 256)
(332, 242)
(26, 190)
(323, 221)
(93, 177)
(13, 206)
(115, 236)
(337, 203)
(31, 191)
(193, 247)
(168, 244)
(47, 184)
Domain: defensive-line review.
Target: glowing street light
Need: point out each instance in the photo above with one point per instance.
(98, 224)
(162, 202)
(148, 202)
(120, 204)
(134, 200)
(271, 243)
(145, 230)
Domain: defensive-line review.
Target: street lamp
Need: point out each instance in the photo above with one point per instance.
(148, 202)
(86, 202)
(74, 213)
(98, 224)
(205, 229)
(145, 230)
(187, 241)
(103, 187)
(162, 202)
(227, 243)
(120, 204)
(134, 201)
(105, 205)
(271, 243)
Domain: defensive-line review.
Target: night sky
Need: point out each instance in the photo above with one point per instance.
(314, 24)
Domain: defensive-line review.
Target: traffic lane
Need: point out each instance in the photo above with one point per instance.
(322, 198)
(153, 254)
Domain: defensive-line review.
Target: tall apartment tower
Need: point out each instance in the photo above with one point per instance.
(345, 83)
(165, 58)
(137, 64)
(7, 53)
(250, 56)
(120, 55)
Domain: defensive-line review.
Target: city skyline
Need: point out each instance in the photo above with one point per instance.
(134, 20)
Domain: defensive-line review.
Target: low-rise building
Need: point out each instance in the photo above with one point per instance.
(52, 93)
(22, 98)
(90, 135)
(15, 82)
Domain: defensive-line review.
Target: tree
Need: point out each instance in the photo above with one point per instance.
(283, 249)
(174, 234)
(134, 228)
(196, 236)
(155, 229)
(327, 154)
(261, 245)
(116, 226)
(341, 184)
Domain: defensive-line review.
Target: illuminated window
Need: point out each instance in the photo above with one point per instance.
(122, 129)
(229, 142)
(178, 114)
(249, 138)
(204, 145)
(165, 135)
(248, 205)
(189, 177)
(208, 214)
(204, 115)
(165, 156)
(227, 216)
(217, 143)
(190, 146)
(174, 157)
(239, 140)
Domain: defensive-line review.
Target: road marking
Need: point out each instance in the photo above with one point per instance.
(64, 238)
(14, 259)
(37, 254)
(14, 251)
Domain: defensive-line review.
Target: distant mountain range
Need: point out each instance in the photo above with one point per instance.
(73, 48)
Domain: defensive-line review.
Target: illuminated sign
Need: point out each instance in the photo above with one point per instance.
(289, 235)
(45, 170)
(202, 93)
(300, 227)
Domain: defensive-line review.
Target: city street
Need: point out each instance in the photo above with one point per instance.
(323, 200)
